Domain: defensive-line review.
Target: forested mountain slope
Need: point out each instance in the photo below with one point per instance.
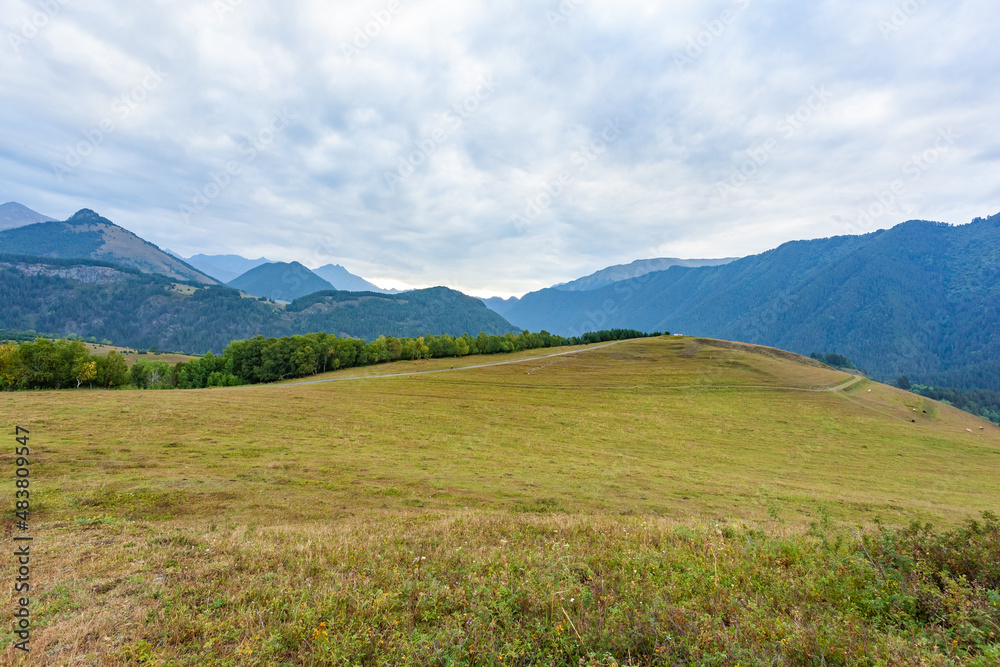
(920, 299)
(145, 310)
(87, 235)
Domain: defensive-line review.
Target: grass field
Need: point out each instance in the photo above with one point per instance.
(660, 501)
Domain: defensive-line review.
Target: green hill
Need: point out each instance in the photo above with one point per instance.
(280, 281)
(87, 235)
(921, 299)
(145, 310)
(657, 502)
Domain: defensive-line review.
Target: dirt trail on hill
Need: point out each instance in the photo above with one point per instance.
(448, 370)
(838, 388)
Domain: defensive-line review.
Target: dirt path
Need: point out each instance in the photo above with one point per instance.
(855, 379)
(449, 370)
(840, 387)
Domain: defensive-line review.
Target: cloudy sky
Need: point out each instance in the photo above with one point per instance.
(499, 147)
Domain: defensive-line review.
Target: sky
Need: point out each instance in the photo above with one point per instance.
(499, 147)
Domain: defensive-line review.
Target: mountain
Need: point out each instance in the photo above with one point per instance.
(640, 267)
(499, 305)
(135, 309)
(343, 279)
(280, 281)
(13, 215)
(87, 235)
(921, 299)
(412, 313)
(607, 276)
(224, 268)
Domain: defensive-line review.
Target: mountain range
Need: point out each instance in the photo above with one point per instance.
(608, 276)
(280, 281)
(237, 270)
(640, 267)
(87, 235)
(144, 310)
(921, 299)
(224, 268)
(14, 215)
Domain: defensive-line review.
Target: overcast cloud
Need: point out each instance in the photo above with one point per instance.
(499, 147)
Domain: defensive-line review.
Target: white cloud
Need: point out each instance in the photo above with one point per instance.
(698, 92)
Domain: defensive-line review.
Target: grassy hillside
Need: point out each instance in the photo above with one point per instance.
(645, 502)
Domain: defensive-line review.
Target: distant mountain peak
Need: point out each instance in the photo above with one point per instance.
(343, 279)
(281, 281)
(87, 235)
(639, 267)
(14, 215)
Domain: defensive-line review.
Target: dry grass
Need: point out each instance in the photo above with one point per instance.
(299, 492)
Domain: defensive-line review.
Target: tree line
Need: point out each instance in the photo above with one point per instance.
(68, 364)
(980, 402)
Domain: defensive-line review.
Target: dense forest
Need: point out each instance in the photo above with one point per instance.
(105, 301)
(66, 364)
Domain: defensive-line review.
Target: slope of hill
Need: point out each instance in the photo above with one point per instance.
(921, 299)
(13, 215)
(87, 235)
(281, 281)
(615, 501)
(640, 267)
(343, 279)
(225, 268)
(144, 310)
